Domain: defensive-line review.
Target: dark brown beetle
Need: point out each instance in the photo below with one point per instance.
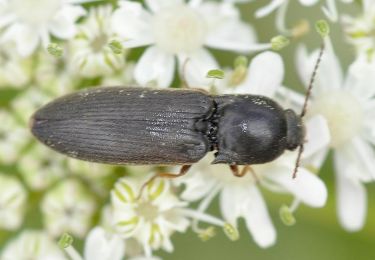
(132, 125)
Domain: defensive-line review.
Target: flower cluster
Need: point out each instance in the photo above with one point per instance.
(50, 48)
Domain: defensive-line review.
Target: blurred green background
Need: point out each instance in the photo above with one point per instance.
(317, 234)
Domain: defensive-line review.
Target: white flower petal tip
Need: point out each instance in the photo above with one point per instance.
(308, 2)
(311, 189)
(155, 66)
(306, 187)
(100, 245)
(317, 135)
(258, 221)
(197, 66)
(352, 203)
(234, 36)
(265, 74)
(266, 10)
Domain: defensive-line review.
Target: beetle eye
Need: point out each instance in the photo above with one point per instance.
(295, 130)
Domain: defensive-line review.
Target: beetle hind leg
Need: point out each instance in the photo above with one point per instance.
(183, 170)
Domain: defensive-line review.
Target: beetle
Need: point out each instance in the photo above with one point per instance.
(133, 125)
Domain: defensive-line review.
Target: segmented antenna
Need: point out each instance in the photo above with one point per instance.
(304, 108)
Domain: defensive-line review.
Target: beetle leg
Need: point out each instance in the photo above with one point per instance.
(244, 171)
(183, 170)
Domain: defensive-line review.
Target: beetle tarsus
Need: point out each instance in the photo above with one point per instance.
(184, 169)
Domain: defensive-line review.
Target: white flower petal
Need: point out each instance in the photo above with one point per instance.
(247, 202)
(366, 155)
(331, 10)
(198, 185)
(355, 160)
(307, 187)
(231, 202)
(215, 14)
(102, 246)
(360, 73)
(197, 66)
(157, 5)
(290, 98)
(317, 135)
(63, 24)
(26, 39)
(266, 10)
(308, 2)
(329, 76)
(133, 23)
(257, 219)
(352, 202)
(367, 4)
(265, 74)
(234, 35)
(155, 65)
(6, 19)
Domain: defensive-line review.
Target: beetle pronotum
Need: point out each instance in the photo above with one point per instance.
(118, 125)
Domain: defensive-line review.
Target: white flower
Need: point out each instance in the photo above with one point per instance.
(360, 30)
(91, 53)
(27, 22)
(330, 10)
(55, 76)
(178, 29)
(95, 175)
(263, 76)
(40, 167)
(14, 137)
(102, 245)
(123, 77)
(31, 244)
(240, 197)
(15, 70)
(12, 202)
(348, 105)
(152, 218)
(68, 207)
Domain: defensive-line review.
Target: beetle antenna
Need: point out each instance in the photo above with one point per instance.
(312, 79)
(304, 109)
(298, 161)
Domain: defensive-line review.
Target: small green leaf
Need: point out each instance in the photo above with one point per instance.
(116, 47)
(65, 241)
(215, 74)
(286, 216)
(55, 50)
(279, 42)
(322, 27)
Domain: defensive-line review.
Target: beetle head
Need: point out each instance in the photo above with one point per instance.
(295, 135)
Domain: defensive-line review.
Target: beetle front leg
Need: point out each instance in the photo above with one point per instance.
(246, 169)
(183, 170)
